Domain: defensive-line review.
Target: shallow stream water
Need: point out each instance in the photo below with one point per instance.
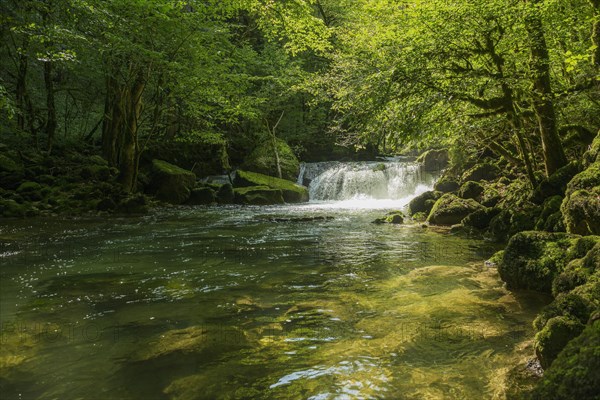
(307, 301)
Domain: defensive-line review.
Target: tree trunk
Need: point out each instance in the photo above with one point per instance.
(554, 155)
(596, 33)
(50, 105)
(112, 125)
(21, 91)
(129, 160)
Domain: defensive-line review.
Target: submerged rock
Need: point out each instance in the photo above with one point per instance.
(450, 210)
(393, 217)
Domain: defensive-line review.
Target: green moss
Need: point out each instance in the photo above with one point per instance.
(481, 218)
(574, 373)
(392, 217)
(484, 171)
(550, 206)
(581, 211)
(379, 168)
(556, 184)
(258, 195)
(532, 260)
(587, 179)
(496, 259)
(170, 183)
(446, 185)
(550, 341)
(470, 190)
(292, 193)
(262, 160)
(450, 210)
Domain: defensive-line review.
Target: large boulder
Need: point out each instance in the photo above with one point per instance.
(170, 183)
(434, 160)
(484, 171)
(292, 193)
(574, 373)
(481, 218)
(581, 206)
(550, 341)
(202, 196)
(263, 160)
(470, 190)
(258, 196)
(423, 202)
(532, 260)
(451, 209)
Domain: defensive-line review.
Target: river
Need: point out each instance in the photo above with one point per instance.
(308, 301)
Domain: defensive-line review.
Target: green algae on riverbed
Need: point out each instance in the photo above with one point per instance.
(225, 303)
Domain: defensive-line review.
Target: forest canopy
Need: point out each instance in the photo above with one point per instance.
(518, 77)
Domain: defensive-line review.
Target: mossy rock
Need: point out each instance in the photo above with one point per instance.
(532, 260)
(593, 154)
(96, 172)
(481, 218)
(258, 195)
(588, 179)
(450, 209)
(392, 217)
(551, 206)
(262, 160)
(496, 259)
(419, 216)
(484, 171)
(508, 222)
(434, 160)
(581, 212)
(574, 373)
(202, 196)
(470, 190)
(225, 194)
(11, 209)
(553, 338)
(423, 203)
(133, 204)
(556, 184)
(490, 197)
(379, 168)
(170, 183)
(446, 185)
(292, 193)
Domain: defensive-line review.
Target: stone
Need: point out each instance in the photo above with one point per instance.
(557, 333)
(292, 193)
(258, 195)
(450, 209)
(392, 217)
(262, 160)
(556, 184)
(470, 190)
(550, 207)
(484, 171)
(532, 260)
(170, 183)
(434, 160)
(420, 204)
(202, 196)
(134, 204)
(225, 194)
(446, 185)
(481, 218)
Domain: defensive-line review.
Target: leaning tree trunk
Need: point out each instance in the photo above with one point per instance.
(554, 154)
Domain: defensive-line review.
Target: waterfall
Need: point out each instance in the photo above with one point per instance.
(364, 181)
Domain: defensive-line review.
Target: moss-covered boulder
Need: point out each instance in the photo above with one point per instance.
(581, 212)
(133, 204)
(470, 190)
(12, 172)
(450, 209)
(446, 185)
(292, 193)
(532, 260)
(262, 160)
(434, 160)
(509, 221)
(481, 218)
(202, 196)
(423, 203)
(574, 374)
(484, 171)
(556, 184)
(553, 338)
(592, 155)
(258, 195)
(170, 183)
(11, 209)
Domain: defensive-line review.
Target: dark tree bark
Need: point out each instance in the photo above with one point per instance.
(112, 121)
(50, 105)
(554, 154)
(21, 91)
(596, 33)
